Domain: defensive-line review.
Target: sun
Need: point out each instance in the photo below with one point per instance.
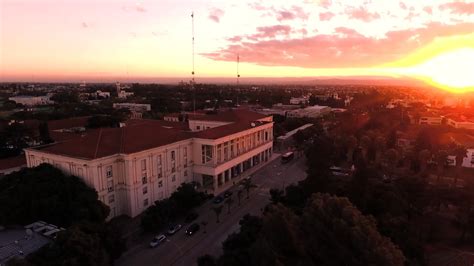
(446, 63)
(452, 71)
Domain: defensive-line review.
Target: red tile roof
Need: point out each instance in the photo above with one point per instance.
(135, 137)
(12, 162)
(139, 135)
(226, 130)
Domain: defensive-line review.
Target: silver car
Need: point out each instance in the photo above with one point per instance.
(157, 240)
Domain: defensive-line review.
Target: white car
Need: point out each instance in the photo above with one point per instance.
(173, 229)
(157, 240)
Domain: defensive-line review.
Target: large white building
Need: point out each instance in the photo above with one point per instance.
(146, 160)
(299, 100)
(460, 122)
(310, 111)
(32, 100)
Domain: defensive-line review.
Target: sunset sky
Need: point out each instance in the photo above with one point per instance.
(90, 40)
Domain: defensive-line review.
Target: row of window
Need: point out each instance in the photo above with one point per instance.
(235, 147)
(109, 173)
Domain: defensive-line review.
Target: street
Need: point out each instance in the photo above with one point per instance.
(181, 249)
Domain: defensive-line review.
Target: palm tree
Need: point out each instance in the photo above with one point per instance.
(460, 152)
(441, 158)
(247, 185)
(365, 145)
(379, 148)
(392, 159)
(229, 202)
(217, 210)
(351, 145)
(423, 157)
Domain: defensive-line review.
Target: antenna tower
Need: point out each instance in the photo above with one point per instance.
(238, 73)
(192, 73)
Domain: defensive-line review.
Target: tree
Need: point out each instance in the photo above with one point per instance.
(43, 129)
(330, 231)
(239, 195)
(163, 212)
(14, 138)
(229, 202)
(460, 152)
(441, 158)
(81, 244)
(247, 185)
(187, 197)
(423, 157)
(276, 195)
(379, 148)
(365, 143)
(391, 157)
(45, 193)
(217, 210)
(351, 145)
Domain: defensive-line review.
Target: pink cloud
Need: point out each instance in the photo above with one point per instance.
(325, 3)
(139, 8)
(257, 6)
(215, 14)
(294, 13)
(403, 5)
(345, 48)
(285, 15)
(270, 32)
(326, 16)
(461, 8)
(361, 13)
(84, 25)
(235, 39)
(428, 10)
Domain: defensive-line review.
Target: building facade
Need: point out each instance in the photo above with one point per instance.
(147, 160)
(32, 100)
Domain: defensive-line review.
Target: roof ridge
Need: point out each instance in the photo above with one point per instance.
(98, 143)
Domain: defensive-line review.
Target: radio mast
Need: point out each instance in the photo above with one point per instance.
(192, 73)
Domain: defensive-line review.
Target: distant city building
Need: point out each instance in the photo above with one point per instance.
(460, 122)
(103, 94)
(310, 111)
(32, 100)
(146, 160)
(431, 119)
(137, 109)
(299, 100)
(121, 93)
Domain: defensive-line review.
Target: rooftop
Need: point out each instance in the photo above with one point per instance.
(138, 135)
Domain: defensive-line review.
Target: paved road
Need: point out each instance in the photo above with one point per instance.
(181, 249)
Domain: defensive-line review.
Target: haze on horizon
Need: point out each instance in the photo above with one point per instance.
(145, 40)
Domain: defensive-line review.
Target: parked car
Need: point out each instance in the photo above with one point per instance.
(227, 194)
(191, 217)
(192, 229)
(218, 199)
(157, 240)
(174, 228)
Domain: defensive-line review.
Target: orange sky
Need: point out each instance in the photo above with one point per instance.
(106, 39)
